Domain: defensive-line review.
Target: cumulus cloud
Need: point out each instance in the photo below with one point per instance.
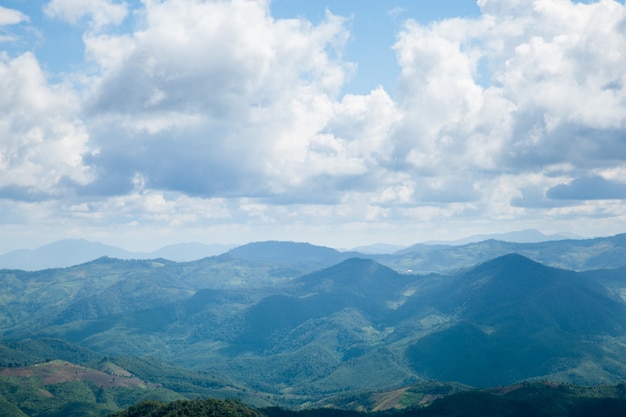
(554, 94)
(516, 112)
(42, 140)
(219, 98)
(98, 13)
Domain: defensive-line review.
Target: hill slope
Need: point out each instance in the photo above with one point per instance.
(518, 319)
(574, 254)
(354, 326)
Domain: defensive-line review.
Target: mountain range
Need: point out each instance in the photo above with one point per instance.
(65, 253)
(294, 324)
(518, 236)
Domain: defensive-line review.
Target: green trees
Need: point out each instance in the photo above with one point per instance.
(189, 408)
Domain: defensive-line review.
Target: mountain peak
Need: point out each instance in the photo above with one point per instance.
(510, 261)
(517, 288)
(366, 275)
(281, 251)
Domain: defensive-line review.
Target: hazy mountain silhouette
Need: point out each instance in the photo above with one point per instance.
(378, 248)
(289, 252)
(65, 253)
(59, 254)
(518, 236)
(190, 251)
(581, 254)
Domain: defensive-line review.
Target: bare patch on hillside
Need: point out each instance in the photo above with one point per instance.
(56, 372)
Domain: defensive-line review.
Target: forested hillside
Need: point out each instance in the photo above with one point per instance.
(281, 328)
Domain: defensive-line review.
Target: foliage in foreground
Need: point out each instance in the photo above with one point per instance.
(523, 400)
(190, 408)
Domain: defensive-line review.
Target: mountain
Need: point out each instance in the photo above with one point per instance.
(96, 386)
(505, 320)
(106, 287)
(579, 255)
(186, 252)
(576, 254)
(357, 278)
(518, 236)
(288, 252)
(283, 327)
(84, 383)
(64, 253)
(518, 319)
(355, 284)
(61, 388)
(513, 286)
(613, 279)
(378, 248)
(59, 254)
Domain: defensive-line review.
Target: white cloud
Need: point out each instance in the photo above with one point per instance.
(555, 90)
(237, 102)
(98, 13)
(11, 16)
(212, 112)
(42, 142)
(572, 67)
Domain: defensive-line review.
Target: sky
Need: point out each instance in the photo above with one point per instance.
(344, 123)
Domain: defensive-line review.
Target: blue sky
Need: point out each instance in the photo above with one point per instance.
(373, 28)
(147, 123)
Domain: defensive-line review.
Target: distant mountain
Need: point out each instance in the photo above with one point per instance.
(519, 236)
(60, 254)
(191, 251)
(576, 254)
(64, 253)
(289, 252)
(579, 255)
(378, 248)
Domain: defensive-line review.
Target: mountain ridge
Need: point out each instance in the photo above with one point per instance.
(301, 331)
(517, 236)
(70, 252)
(511, 318)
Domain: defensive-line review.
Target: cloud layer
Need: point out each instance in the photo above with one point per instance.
(209, 113)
